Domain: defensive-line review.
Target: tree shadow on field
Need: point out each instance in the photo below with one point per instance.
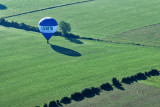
(71, 37)
(2, 7)
(65, 51)
(74, 40)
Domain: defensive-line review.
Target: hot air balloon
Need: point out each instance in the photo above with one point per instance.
(48, 26)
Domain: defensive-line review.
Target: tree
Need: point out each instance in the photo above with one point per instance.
(65, 27)
(116, 83)
(95, 90)
(53, 104)
(106, 87)
(65, 100)
(77, 96)
(87, 93)
(45, 105)
(2, 21)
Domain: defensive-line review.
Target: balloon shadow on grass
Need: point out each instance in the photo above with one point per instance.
(2, 7)
(65, 51)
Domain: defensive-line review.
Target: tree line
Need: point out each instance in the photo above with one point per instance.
(64, 27)
(91, 92)
(18, 25)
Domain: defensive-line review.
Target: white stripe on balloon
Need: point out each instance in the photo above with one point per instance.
(48, 29)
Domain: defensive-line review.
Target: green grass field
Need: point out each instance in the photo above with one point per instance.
(136, 95)
(20, 6)
(33, 73)
(148, 35)
(101, 18)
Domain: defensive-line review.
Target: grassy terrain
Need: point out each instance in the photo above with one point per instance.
(153, 81)
(20, 6)
(149, 35)
(136, 95)
(33, 73)
(101, 18)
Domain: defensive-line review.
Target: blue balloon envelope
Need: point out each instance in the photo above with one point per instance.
(48, 26)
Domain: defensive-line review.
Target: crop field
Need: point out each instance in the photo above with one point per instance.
(33, 72)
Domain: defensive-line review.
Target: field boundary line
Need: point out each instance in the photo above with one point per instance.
(71, 36)
(109, 41)
(136, 28)
(33, 11)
